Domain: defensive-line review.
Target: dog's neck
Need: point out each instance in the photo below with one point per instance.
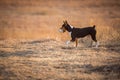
(69, 28)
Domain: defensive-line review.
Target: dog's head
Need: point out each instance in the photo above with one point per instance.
(64, 27)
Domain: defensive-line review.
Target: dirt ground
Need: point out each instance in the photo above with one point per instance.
(53, 60)
(31, 48)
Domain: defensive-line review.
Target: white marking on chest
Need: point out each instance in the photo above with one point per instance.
(71, 26)
(70, 32)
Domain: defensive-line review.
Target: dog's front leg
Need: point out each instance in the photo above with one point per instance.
(68, 42)
(76, 40)
(73, 40)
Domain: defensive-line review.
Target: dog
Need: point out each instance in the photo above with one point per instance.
(76, 33)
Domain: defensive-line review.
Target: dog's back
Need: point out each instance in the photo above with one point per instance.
(82, 32)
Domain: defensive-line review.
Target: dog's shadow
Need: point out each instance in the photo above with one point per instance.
(80, 48)
(73, 48)
(67, 48)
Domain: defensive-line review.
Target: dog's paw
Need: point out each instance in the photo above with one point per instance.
(67, 42)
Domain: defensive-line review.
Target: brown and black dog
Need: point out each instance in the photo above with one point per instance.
(78, 32)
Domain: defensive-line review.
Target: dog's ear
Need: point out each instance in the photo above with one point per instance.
(65, 22)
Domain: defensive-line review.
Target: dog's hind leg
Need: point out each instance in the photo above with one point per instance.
(97, 44)
(93, 36)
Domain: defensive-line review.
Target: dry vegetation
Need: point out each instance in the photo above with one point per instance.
(31, 48)
(52, 60)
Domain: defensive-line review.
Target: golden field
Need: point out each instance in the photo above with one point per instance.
(31, 48)
(22, 19)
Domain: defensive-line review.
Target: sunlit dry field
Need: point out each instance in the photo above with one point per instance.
(52, 60)
(31, 48)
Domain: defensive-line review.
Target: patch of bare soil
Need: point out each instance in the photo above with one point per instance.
(53, 60)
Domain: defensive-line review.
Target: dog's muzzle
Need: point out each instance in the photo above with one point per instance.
(60, 30)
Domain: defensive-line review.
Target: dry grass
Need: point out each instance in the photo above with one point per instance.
(22, 19)
(31, 48)
(50, 59)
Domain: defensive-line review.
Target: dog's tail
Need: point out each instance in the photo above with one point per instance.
(94, 26)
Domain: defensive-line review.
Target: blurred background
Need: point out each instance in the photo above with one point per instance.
(41, 19)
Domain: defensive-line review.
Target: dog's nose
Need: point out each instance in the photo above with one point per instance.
(60, 30)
